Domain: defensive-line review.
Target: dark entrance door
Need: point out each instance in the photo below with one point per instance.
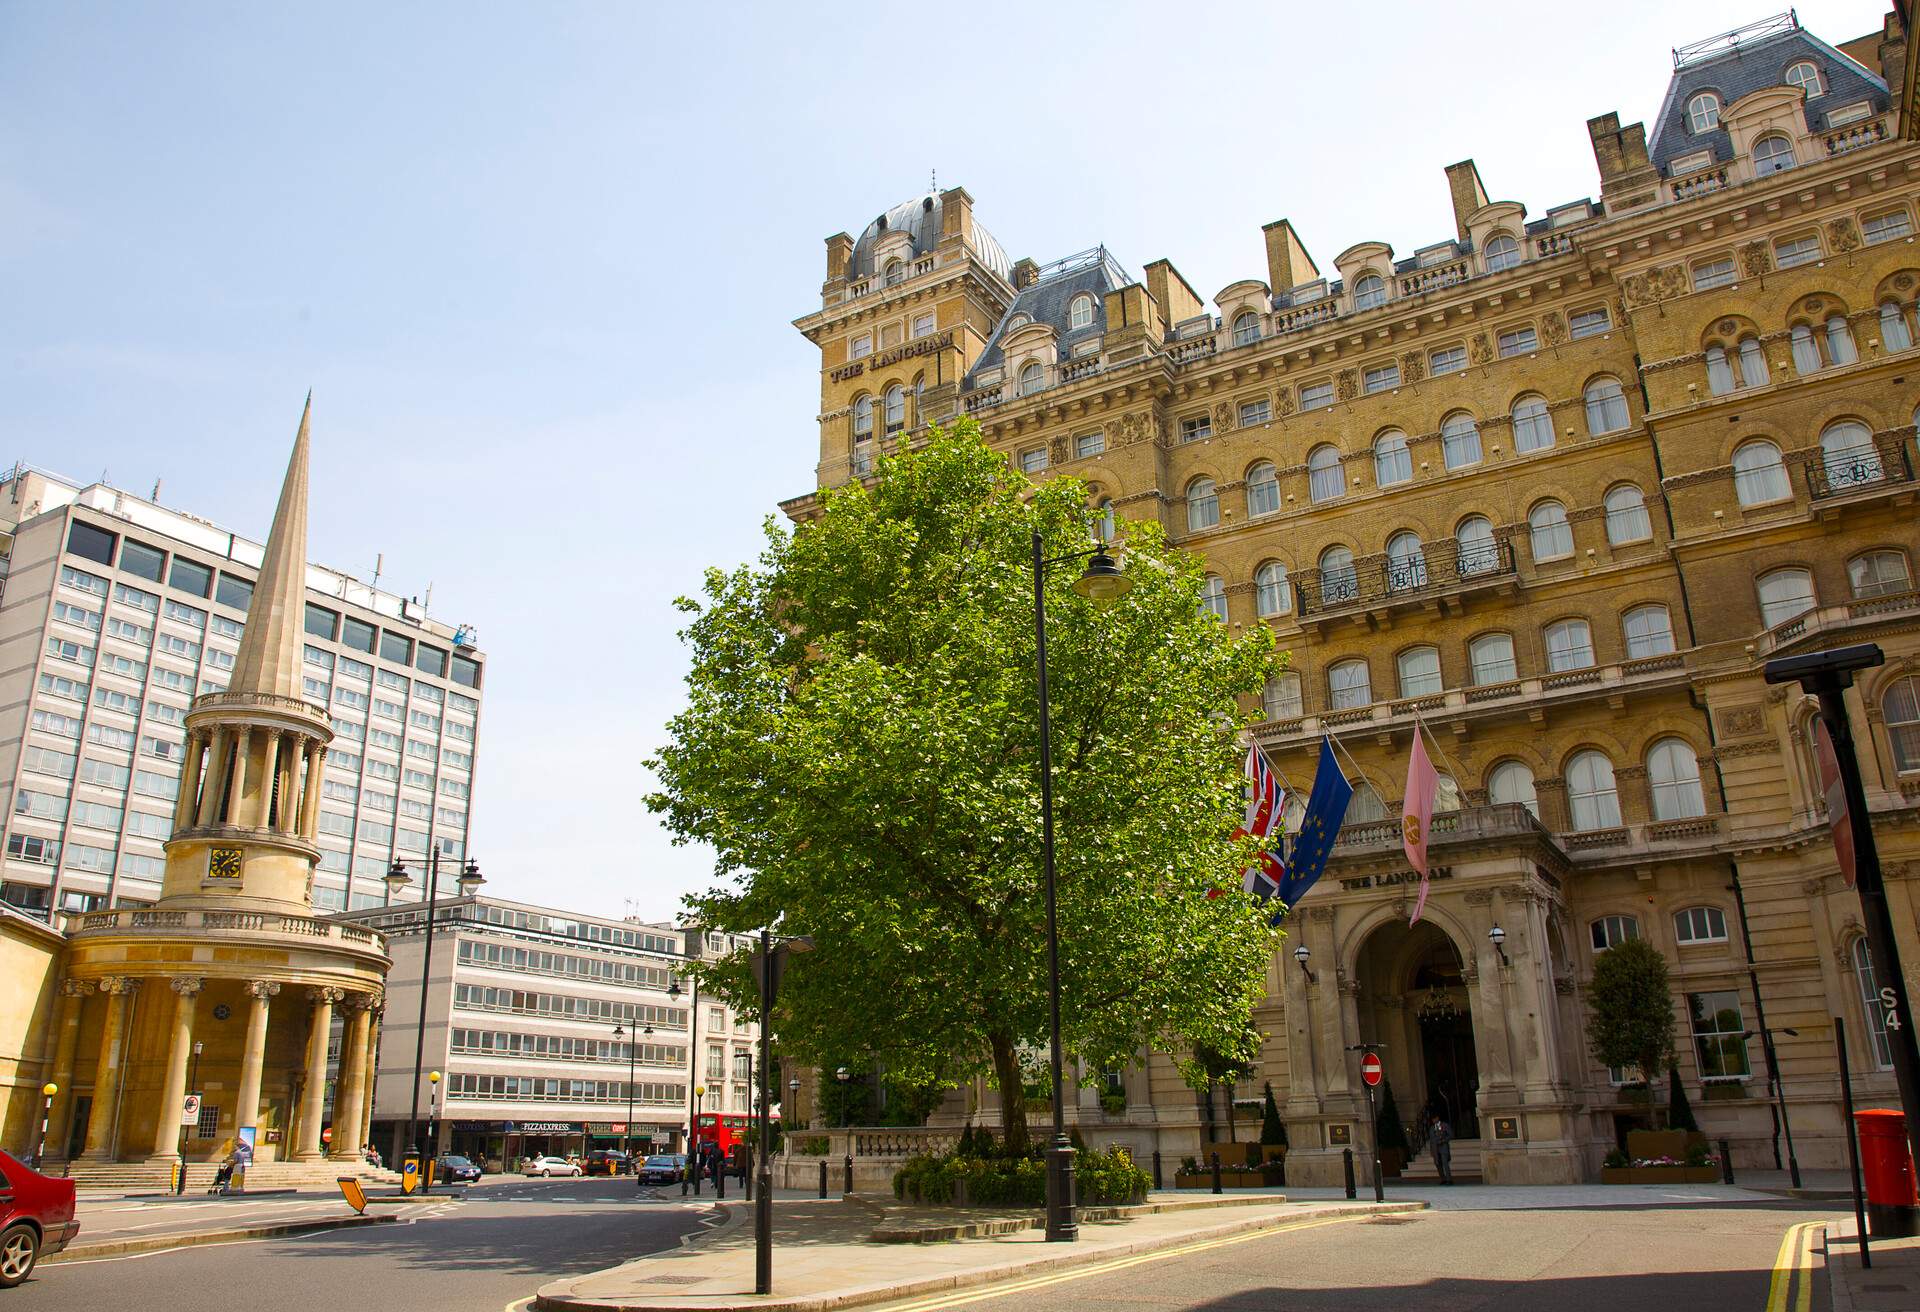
(77, 1127)
(1446, 1048)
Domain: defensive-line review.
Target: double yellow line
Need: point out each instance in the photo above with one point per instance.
(1795, 1258)
(986, 1292)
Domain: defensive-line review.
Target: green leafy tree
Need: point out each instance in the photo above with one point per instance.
(859, 750)
(1630, 1010)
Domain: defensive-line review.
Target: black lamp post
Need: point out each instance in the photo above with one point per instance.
(467, 881)
(693, 1057)
(1780, 1097)
(770, 965)
(1100, 582)
(626, 1140)
(1498, 937)
(1302, 954)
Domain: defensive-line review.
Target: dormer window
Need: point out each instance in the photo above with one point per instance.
(1807, 77)
(1032, 378)
(1502, 252)
(895, 272)
(1019, 321)
(1693, 163)
(1772, 154)
(1080, 313)
(1703, 112)
(1839, 118)
(1369, 291)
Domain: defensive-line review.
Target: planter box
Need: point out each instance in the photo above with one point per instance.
(1203, 1180)
(1659, 1174)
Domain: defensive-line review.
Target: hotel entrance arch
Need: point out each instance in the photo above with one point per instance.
(1415, 998)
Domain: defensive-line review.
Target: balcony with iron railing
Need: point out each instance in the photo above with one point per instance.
(1440, 570)
(1883, 466)
(1829, 624)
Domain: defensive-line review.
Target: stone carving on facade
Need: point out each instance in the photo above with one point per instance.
(1347, 385)
(1741, 721)
(1757, 747)
(1479, 897)
(1637, 290)
(1320, 915)
(263, 988)
(1553, 329)
(1223, 417)
(1669, 281)
(114, 984)
(1755, 259)
(1842, 236)
(1413, 367)
(76, 988)
(1813, 887)
(1563, 985)
(328, 996)
(1058, 452)
(1283, 401)
(187, 986)
(1479, 349)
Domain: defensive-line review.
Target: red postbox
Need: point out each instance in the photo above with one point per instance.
(1893, 1206)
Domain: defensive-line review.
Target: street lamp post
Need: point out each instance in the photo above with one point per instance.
(693, 1053)
(699, 1092)
(47, 1091)
(770, 966)
(467, 881)
(626, 1141)
(1780, 1096)
(1102, 582)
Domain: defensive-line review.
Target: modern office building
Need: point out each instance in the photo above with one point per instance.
(115, 612)
(1556, 487)
(535, 1017)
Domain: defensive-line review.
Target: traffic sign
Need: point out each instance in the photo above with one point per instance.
(190, 1109)
(1370, 1069)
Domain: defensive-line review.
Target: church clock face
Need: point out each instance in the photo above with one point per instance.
(223, 863)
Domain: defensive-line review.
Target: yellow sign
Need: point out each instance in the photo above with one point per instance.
(223, 863)
(410, 1175)
(355, 1195)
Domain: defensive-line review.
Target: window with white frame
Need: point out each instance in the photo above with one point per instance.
(1785, 594)
(1805, 351)
(1803, 74)
(861, 347)
(895, 407)
(1569, 646)
(1878, 573)
(1271, 595)
(1502, 253)
(1419, 669)
(1246, 328)
(1552, 535)
(1477, 549)
(1612, 931)
(1460, 440)
(1446, 360)
(1088, 444)
(1369, 291)
(1885, 226)
(1590, 792)
(1033, 460)
(1719, 371)
(1326, 478)
(1753, 363)
(1673, 772)
(1406, 562)
(1253, 413)
(1690, 163)
(1532, 424)
(1281, 698)
(1700, 924)
(1791, 252)
(1589, 323)
(1339, 580)
(1213, 597)
(1392, 459)
(1203, 505)
(1080, 312)
(1348, 685)
(1263, 489)
(1719, 1034)
(1900, 708)
(1103, 522)
(1195, 427)
(1713, 273)
(1773, 153)
(923, 325)
(1491, 655)
(1854, 113)
(1870, 1005)
(1518, 341)
(1511, 784)
(1649, 631)
(1759, 474)
(1840, 347)
(1627, 515)
(1366, 807)
(862, 417)
(1316, 396)
(1848, 455)
(1380, 378)
(1895, 333)
(1606, 406)
(1703, 112)
(1033, 376)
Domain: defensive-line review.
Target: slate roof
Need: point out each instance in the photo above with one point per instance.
(1744, 69)
(922, 217)
(1047, 301)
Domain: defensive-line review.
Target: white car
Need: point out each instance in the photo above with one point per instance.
(551, 1166)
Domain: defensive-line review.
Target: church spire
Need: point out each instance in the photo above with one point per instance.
(268, 662)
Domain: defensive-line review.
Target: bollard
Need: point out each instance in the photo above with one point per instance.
(1216, 1173)
(684, 1175)
(823, 1177)
(849, 1188)
(1726, 1163)
(1156, 1168)
(720, 1180)
(1346, 1161)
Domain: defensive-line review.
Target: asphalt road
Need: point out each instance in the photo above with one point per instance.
(474, 1256)
(1614, 1259)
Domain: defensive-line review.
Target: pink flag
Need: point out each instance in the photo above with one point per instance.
(1416, 812)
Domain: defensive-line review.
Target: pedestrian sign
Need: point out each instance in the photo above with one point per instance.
(410, 1175)
(1370, 1069)
(190, 1109)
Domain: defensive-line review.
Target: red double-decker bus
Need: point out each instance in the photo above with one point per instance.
(725, 1130)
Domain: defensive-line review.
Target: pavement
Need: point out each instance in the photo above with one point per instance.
(1891, 1284)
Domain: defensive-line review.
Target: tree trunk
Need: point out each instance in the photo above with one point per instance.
(1013, 1096)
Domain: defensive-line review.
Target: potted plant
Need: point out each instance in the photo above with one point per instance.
(1273, 1131)
(1630, 1013)
(1392, 1136)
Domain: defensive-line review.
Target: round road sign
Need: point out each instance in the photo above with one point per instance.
(1370, 1069)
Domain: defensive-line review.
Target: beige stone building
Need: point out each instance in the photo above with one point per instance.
(1555, 487)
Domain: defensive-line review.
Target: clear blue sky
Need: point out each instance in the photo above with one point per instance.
(539, 263)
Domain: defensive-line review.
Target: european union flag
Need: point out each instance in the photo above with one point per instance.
(1319, 826)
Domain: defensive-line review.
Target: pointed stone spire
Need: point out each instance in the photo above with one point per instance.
(268, 662)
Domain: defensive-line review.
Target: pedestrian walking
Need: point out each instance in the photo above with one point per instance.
(1441, 1136)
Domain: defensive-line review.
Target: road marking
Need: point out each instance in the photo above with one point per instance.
(1795, 1258)
(1102, 1268)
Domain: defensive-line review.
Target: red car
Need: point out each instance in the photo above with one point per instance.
(36, 1216)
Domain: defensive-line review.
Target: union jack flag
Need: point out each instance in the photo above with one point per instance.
(1264, 801)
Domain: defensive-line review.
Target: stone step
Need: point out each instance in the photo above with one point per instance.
(1466, 1163)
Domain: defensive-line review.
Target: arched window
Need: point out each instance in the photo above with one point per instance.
(895, 271)
(1673, 771)
(1420, 671)
(1870, 1004)
(1246, 328)
(1569, 646)
(1590, 792)
(1392, 461)
(1759, 475)
(1406, 562)
(1606, 406)
(1649, 631)
(1478, 551)
(1895, 335)
(1804, 75)
(1203, 505)
(1532, 424)
(1271, 594)
(1627, 515)
(1703, 112)
(1719, 371)
(1806, 353)
(1612, 931)
(1700, 925)
(1900, 707)
(1369, 291)
(1460, 440)
(1263, 490)
(1365, 808)
(1339, 580)
(1848, 456)
(1032, 377)
(1503, 252)
(1281, 699)
(1753, 363)
(1016, 322)
(1512, 783)
(1080, 313)
(1552, 535)
(1878, 573)
(1348, 685)
(1840, 347)
(1213, 598)
(896, 408)
(1492, 658)
(1784, 595)
(1773, 153)
(1325, 478)
(862, 417)
(1103, 522)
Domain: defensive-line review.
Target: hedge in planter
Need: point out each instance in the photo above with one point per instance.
(1017, 1181)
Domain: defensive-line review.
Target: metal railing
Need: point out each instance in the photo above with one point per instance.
(1384, 580)
(1840, 472)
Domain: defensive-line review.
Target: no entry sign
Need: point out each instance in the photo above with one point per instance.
(1370, 1069)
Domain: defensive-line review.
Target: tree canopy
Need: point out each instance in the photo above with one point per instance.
(859, 748)
(1630, 1009)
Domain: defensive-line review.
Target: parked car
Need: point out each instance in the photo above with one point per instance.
(608, 1161)
(457, 1169)
(663, 1168)
(36, 1217)
(551, 1166)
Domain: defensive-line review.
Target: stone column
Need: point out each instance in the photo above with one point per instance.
(310, 801)
(106, 1070)
(246, 1108)
(66, 1044)
(1303, 1086)
(1486, 987)
(194, 764)
(349, 1096)
(375, 1011)
(232, 812)
(313, 1099)
(173, 1090)
(215, 774)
